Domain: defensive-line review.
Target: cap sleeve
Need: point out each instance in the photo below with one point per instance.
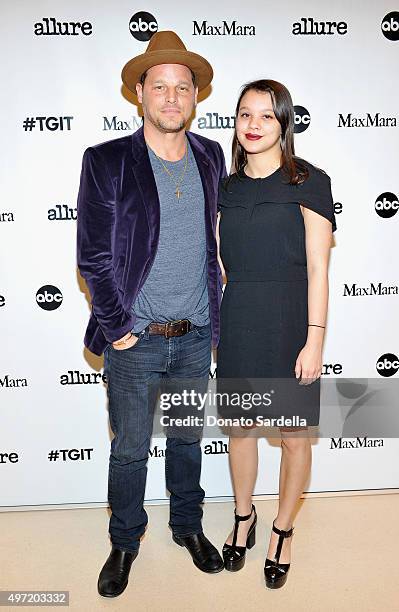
(222, 194)
(315, 193)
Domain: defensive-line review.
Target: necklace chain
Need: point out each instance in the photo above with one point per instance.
(178, 193)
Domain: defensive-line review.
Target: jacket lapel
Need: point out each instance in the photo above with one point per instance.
(144, 176)
(205, 168)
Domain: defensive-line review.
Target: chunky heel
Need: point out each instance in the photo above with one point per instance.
(233, 555)
(275, 572)
(251, 539)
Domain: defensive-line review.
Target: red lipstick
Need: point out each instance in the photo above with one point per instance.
(252, 136)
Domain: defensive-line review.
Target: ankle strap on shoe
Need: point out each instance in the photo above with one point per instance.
(281, 532)
(239, 518)
(246, 517)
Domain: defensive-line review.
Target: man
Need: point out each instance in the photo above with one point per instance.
(146, 247)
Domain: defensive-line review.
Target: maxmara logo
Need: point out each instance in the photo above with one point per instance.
(49, 26)
(156, 452)
(62, 212)
(231, 28)
(114, 123)
(307, 26)
(339, 443)
(375, 120)
(373, 289)
(8, 382)
(5, 217)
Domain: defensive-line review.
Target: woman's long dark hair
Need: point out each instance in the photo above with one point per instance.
(283, 109)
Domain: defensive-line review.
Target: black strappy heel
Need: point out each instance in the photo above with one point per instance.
(233, 555)
(275, 572)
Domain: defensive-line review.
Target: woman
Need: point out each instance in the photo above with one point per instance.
(276, 223)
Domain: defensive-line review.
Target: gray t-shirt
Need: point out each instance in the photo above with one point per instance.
(176, 287)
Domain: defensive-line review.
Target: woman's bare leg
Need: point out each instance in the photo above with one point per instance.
(243, 459)
(296, 460)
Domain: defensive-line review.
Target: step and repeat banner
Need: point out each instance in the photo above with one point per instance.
(62, 92)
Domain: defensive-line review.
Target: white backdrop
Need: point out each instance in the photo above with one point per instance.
(338, 78)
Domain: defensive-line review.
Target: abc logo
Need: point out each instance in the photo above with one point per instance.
(387, 365)
(390, 26)
(143, 25)
(49, 297)
(386, 205)
(302, 119)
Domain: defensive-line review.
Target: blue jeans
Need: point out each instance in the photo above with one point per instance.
(132, 376)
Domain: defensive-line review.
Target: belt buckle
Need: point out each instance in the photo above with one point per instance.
(185, 326)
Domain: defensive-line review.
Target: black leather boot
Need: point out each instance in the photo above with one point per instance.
(205, 556)
(114, 576)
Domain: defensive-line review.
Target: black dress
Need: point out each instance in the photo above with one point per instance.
(264, 312)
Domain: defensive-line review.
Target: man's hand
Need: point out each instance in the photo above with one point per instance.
(126, 342)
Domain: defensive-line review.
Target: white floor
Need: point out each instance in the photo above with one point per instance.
(344, 558)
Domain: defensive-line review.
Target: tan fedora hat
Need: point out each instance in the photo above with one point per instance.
(166, 47)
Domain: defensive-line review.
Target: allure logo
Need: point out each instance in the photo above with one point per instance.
(214, 121)
(217, 447)
(74, 377)
(307, 26)
(49, 26)
(62, 212)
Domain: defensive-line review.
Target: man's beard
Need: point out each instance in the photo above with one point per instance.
(165, 125)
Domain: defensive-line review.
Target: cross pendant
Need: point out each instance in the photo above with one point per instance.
(178, 193)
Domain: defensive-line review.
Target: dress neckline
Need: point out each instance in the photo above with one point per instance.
(260, 178)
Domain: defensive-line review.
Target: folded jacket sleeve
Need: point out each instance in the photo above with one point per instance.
(222, 173)
(315, 193)
(95, 229)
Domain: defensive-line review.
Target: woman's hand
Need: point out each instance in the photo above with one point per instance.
(308, 364)
(126, 342)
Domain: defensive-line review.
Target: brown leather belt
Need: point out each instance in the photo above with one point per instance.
(171, 328)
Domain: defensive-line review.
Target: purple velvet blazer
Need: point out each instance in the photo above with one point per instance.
(118, 230)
